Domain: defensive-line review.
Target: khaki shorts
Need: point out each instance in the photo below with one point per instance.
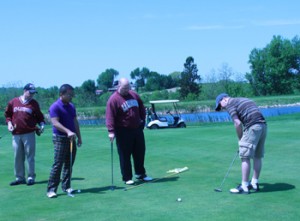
(252, 144)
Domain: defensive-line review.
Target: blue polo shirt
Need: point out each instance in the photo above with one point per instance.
(66, 114)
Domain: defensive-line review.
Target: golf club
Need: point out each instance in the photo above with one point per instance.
(71, 162)
(220, 187)
(112, 165)
(172, 173)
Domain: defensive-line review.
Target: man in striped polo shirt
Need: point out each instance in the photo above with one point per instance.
(251, 129)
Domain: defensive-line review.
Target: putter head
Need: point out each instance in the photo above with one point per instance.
(70, 195)
(218, 190)
(69, 192)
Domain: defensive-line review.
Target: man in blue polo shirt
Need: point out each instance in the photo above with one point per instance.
(65, 130)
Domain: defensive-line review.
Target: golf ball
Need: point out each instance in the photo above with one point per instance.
(178, 199)
(78, 191)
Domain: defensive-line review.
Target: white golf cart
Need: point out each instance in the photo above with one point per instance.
(171, 121)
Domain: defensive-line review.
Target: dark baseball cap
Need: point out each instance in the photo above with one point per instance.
(31, 88)
(218, 100)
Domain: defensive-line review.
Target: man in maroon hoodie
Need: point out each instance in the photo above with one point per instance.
(125, 121)
(22, 115)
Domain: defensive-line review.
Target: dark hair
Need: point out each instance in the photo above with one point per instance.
(65, 88)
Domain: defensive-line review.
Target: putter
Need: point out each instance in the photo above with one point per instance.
(220, 187)
(112, 187)
(71, 160)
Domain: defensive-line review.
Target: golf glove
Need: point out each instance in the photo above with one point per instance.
(40, 130)
(42, 126)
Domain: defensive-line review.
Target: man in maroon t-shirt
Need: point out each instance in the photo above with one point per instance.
(22, 115)
(125, 121)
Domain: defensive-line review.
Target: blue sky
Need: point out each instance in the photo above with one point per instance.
(52, 42)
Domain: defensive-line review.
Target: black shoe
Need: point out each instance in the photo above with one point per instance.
(254, 187)
(30, 182)
(17, 182)
(239, 190)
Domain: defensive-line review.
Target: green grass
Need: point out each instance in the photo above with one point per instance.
(206, 149)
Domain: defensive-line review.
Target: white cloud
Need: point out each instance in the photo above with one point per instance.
(281, 22)
(213, 27)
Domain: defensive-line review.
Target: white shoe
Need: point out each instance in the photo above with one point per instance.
(51, 194)
(240, 190)
(129, 182)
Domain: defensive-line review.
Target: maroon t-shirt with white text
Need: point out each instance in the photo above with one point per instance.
(124, 111)
(23, 115)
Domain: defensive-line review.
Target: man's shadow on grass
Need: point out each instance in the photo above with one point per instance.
(268, 187)
(157, 180)
(101, 190)
(165, 179)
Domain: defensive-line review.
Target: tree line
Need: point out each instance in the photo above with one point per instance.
(274, 70)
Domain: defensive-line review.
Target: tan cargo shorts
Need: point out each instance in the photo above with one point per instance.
(252, 144)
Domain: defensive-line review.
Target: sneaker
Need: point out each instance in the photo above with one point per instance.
(129, 182)
(147, 178)
(143, 177)
(30, 182)
(17, 182)
(239, 190)
(51, 194)
(254, 187)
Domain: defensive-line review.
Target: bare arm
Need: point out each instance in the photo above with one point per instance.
(79, 142)
(238, 126)
(55, 122)
(110, 119)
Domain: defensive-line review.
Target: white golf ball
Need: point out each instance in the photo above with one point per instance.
(178, 199)
(78, 191)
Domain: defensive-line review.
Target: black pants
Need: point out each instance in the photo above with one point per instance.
(131, 142)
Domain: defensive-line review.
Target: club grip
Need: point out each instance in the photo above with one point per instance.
(183, 169)
(178, 170)
(71, 145)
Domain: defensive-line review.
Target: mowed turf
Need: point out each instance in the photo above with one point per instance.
(207, 150)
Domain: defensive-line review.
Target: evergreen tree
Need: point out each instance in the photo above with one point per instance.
(189, 79)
